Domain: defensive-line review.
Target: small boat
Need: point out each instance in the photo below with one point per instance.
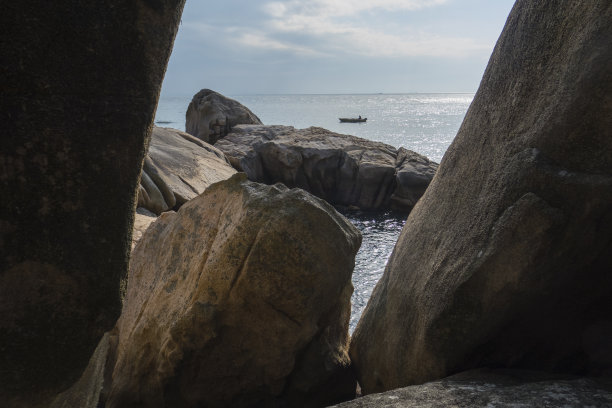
(353, 120)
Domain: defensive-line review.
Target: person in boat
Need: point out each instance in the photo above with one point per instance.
(359, 116)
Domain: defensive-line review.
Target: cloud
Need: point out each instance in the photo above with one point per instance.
(338, 8)
(260, 40)
(334, 28)
(367, 42)
(249, 37)
(337, 28)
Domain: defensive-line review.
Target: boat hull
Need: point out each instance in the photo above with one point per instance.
(352, 120)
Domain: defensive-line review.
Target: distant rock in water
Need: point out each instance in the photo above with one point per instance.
(241, 298)
(342, 169)
(495, 388)
(506, 260)
(211, 115)
(177, 168)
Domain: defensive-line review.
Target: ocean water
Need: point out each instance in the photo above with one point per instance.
(425, 123)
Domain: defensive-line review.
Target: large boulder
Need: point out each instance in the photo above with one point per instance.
(211, 115)
(495, 389)
(246, 305)
(177, 168)
(506, 259)
(342, 169)
(80, 83)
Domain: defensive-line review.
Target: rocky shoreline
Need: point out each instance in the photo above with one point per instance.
(238, 290)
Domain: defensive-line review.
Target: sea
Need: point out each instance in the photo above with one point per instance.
(424, 123)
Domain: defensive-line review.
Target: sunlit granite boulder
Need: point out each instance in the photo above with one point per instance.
(342, 169)
(177, 168)
(236, 300)
(211, 115)
(506, 260)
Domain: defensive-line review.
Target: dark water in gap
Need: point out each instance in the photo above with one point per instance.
(380, 231)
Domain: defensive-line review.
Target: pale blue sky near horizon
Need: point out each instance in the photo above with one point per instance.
(240, 47)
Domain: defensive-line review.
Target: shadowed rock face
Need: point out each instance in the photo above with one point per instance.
(506, 259)
(80, 83)
(236, 300)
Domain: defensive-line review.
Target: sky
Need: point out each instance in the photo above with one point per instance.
(242, 47)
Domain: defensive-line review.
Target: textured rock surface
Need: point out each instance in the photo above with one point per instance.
(506, 259)
(247, 307)
(142, 220)
(342, 169)
(496, 389)
(177, 168)
(210, 115)
(413, 173)
(79, 86)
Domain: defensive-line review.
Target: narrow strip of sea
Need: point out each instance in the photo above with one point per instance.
(425, 123)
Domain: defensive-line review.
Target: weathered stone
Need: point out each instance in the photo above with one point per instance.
(506, 259)
(142, 220)
(80, 83)
(177, 168)
(210, 115)
(496, 389)
(342, 169)
(238, 300)
(413, 174)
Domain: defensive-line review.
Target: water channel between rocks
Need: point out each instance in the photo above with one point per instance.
(380, 232)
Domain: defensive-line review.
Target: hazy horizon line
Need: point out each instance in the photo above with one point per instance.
(321, 93)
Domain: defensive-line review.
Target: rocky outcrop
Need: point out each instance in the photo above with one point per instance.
(177, 168)
(496, 389)
(342, 169)
(244, 306)
(211, 115)
(79, 88)
(506, 259)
